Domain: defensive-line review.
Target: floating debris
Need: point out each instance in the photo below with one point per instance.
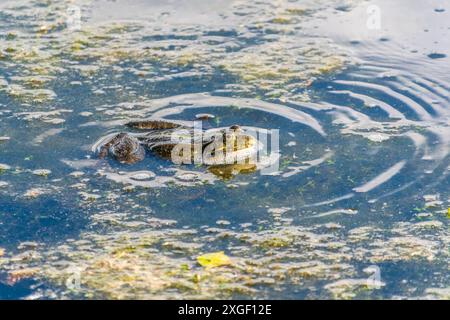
(348, 288)
(35, 192)
(223, 222)
(27, 245)
(41, 172)
(45, 116)
(278, 211)
(30, 95)
(378, 137)
(49, 133)
(204, 116)
(77, 174)
(89, 196)
(142, 175)
(4, 167)
(19, 275)
(215, 259)
(438, 293)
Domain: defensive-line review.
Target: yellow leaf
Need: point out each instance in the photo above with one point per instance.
(448, 213)
(215, 259)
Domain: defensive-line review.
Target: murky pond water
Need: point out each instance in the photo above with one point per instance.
(357, 208)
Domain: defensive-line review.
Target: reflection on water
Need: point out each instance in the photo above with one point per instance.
(363, 176)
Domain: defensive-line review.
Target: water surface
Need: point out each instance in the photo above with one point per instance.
(357, 209)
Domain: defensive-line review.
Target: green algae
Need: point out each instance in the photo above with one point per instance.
(124, 265)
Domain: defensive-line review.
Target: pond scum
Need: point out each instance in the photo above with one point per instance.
(125, 252)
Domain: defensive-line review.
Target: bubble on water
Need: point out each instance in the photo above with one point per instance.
(41, 172)
(77, 174)
(35, 192)
(142, 175)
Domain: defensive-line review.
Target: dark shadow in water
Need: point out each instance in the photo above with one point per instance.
(17, 291)
(45, 221)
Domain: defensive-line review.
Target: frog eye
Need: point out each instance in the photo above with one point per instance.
(229, 137)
